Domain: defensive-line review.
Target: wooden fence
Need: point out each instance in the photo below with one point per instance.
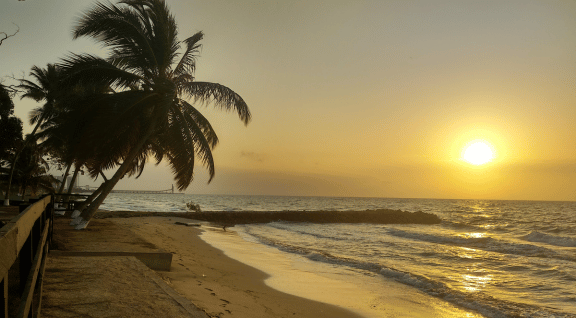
(24, 244)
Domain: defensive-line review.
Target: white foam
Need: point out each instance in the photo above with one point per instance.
(300, 275)
(536, 236)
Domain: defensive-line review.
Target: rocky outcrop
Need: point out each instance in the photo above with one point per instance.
(380, 216)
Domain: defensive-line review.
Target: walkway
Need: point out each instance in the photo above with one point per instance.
(105, 286)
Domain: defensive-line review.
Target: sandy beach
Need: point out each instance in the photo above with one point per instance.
(217, 284)
(266, 284)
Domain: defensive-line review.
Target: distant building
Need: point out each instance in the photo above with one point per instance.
(67, 182)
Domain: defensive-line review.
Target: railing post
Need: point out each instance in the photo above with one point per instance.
(4, 298)
(50, 216)
(26, 258)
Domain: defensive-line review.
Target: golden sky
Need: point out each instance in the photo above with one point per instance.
(365, 98)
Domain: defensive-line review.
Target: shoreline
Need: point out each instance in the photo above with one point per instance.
(229, 277)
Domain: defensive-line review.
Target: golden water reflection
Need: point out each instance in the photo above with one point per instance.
(473, 283)
(475, 235)
(474, 280)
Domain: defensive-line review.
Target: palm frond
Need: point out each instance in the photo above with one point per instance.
(85, 69)
(222, 96)
(179, 146)
(35, 115)
(121, 29)
(193, 116)
(31, 90)
(187, 64)
(195, 134)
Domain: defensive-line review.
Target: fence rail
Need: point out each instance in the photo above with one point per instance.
(24, 244)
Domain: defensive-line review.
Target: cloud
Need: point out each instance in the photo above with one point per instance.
(252, 156)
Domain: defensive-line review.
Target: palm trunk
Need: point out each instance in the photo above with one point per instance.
(89, 200)
(7, 198)
(24, 185)
(64, 179)
(81, 222)
(58, 198)
(74, 176)
(71, 186)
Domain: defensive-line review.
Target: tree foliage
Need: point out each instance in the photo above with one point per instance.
(10, 127)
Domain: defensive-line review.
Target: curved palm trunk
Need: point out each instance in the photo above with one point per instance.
(63, 184)
(64, 179)
(81, 222)
(7, 198)
(89, 200)
(74, 176)
(71, 186)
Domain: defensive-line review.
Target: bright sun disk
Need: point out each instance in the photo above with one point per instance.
(478, 153)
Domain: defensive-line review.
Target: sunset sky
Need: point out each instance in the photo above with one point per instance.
(362, 98)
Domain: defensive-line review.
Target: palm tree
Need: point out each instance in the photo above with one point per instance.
(10, 127)
(148, 115)
(45, 89)
(59, 133)
(32, 171)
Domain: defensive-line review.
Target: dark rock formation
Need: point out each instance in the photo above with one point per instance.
(380, 216)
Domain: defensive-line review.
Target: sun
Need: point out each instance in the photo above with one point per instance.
(478, 153)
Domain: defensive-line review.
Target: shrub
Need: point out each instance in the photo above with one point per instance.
(193, 207)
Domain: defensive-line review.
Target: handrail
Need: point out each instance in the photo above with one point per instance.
(25, 241)
(66, 202)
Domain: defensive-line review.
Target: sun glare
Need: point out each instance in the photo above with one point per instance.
(478, 153)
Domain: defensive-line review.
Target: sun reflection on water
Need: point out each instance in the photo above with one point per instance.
(474, 235)
(473, 283)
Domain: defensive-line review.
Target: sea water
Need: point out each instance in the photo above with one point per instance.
(498, 258)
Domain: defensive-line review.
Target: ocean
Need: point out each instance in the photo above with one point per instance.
(497, 258)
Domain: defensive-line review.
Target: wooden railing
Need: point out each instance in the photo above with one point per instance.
(68, 202)
(24, 244)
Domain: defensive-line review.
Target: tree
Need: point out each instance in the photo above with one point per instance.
(32, 171)
(10, 136)
(148, 115)
(45, 89)
(4, 35)
(10, 126)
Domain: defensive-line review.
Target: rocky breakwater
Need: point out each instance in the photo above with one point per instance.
(380, 216)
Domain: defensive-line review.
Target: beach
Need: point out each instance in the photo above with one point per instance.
(217, 284)
(466, 262)
(267, 283)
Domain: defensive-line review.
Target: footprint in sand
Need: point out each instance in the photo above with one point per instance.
(224, 300)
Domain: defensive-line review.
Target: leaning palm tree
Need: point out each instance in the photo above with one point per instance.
(45, 88)
(149, 115)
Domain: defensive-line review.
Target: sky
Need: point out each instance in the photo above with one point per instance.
(361, 98)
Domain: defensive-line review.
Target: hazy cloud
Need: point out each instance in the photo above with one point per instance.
(252, 156)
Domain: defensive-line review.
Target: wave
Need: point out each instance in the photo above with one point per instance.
(478, 227)
(482, 303)
(555, 240)
(488, 244)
